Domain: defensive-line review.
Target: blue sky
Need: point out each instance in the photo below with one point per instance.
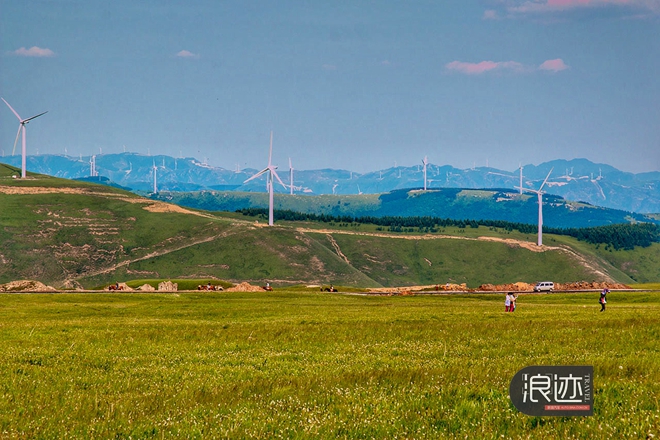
(353, 84)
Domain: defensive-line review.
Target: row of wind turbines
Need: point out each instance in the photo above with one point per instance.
(270, 169)
(272, 174)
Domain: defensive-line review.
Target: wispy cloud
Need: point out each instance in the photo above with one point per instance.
(534, 7)
(329, 67)
(556, 65)
(490, 14)
(483, 67)
(187, 54)
(34, 51)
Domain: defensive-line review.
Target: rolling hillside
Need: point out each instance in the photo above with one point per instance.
(68, 233)
(453, 203)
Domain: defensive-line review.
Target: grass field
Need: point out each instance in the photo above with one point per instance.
(302, 365)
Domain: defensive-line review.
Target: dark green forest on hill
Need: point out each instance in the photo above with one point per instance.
(454, 203)
(620, 236)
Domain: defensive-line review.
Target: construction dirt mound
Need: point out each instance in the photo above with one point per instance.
(449, 287)
(584, 285)
(26, 286)
(245, 287)
(526, 287)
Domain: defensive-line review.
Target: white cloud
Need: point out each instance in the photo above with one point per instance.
(482, 67)
(485, 66)
(187, 54)
(525, 7)
(556, 65)
(34, 51)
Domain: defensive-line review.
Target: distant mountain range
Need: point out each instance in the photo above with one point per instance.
(577, 179)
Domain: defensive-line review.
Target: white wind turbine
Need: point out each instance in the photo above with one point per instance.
(290, 176)
(520, 167)
(539, 192)
(270, 169)
(155, 168)
(425, 162)
(21, 127)
(92, 166)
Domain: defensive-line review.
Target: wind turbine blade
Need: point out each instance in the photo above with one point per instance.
(290, 166)
(270, 151)
(17, 136)
(24, 121)
(272, 170)
(12, 109)
(527, 189)
(546, 179)
(265, 170)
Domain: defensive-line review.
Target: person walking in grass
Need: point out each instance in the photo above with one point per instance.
(514, 298)
(603, 299)
(507, 302)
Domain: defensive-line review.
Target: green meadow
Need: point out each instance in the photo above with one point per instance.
(292, 364)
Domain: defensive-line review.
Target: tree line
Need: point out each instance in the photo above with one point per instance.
(619, 236)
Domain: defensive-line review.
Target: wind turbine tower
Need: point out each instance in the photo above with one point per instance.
(270, 169)
(21, 127)
(290, 176)
(521, 176)
(155, 168)
(539, 193)
(425, 162)
(92, 166)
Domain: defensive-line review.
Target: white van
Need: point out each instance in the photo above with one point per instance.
(544, 286)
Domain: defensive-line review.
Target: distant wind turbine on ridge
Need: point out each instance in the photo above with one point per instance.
(270, 169)
(539, 192)
(21, 127)
(520, 167)
(425, 162)
(290, 176)
(155, 168)
(92, 166)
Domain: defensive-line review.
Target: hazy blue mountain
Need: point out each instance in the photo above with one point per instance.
(577, 179)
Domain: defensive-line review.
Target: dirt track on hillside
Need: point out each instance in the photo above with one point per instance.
(163, 207)
(579, 259)
(150, 205)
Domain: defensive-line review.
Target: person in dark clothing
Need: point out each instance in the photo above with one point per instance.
(603, 299)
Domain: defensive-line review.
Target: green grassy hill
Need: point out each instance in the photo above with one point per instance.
(454, 203)
(68, 233)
